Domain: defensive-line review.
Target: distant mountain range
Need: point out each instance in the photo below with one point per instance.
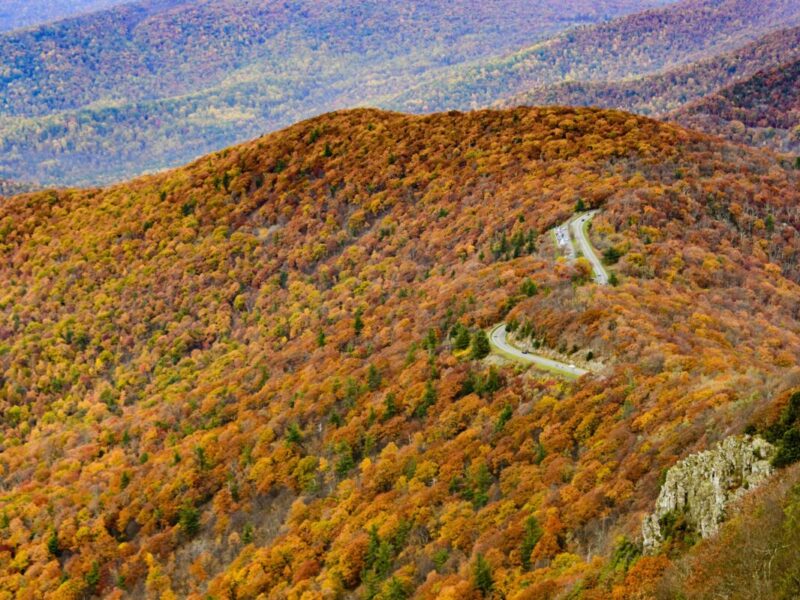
(749, 95)
(152, 84)
(667, 91)
(10, 188)
(149, 85)
(15, 14)
(763, 110)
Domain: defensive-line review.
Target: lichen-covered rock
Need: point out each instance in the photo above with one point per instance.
(701, 486)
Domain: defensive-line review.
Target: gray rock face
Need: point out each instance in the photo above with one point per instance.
(701, 486)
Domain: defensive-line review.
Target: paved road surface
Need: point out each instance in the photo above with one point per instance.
(498, 339)
(600, 274)
(563, 233)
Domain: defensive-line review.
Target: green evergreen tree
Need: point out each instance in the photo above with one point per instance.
(482, 575)
(428, 400)
(480, 345)
(373, 378)
(52, 544)
(389, 406)
(346, 460)
(248, 533)
(293, 434)
(533, 532)
(505, 417)
(189, 520)
(358, 324)
(93, 577)
(372, 547)
(480, 486)
(200, 458)
(529, 287)
(383, 560)
(431, 341)
(462, 338)
(395, 590)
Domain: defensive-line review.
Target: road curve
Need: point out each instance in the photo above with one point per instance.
(577, 227)
(499, 342)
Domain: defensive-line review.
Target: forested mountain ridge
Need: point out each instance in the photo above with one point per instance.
(633, 46)
(658, 95)
(15, 14)
(764, 110)
(154, 84)
(244, 376)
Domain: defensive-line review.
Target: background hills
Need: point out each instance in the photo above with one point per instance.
(664, 92)
(762, 110)
(146, 85)
(10, 188)
(16, 14)
(152, 84)
(240, 378)
(634, 46)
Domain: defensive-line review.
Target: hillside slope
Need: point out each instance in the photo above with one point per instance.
(242, 377)
(764, 110)
(662, 93)
(15, 14)
(156, 83)
(633, 46)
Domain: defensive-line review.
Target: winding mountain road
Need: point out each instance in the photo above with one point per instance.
(499, 342)
(578, 228)
(498, 337)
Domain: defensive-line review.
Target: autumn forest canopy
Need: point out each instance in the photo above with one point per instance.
(534, 336)
(257, 374)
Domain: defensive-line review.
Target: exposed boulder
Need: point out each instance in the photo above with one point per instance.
(700, 487)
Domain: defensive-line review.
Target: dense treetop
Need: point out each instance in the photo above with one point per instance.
(251, 375)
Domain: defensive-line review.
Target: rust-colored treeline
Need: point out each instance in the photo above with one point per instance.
(248, 378)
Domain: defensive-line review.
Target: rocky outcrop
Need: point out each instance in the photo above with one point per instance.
(700, 487)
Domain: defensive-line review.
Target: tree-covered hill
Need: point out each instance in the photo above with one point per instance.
(16, 14)
(763, 110)
(638, 45)
(247, 378)
(658, 95)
